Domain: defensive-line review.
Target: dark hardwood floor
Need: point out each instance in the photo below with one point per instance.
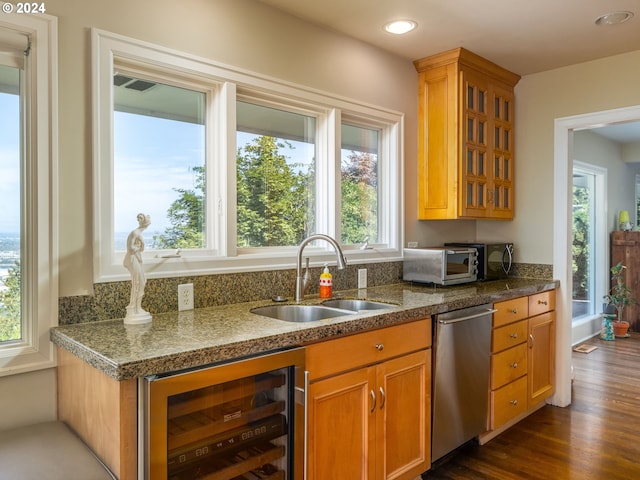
(597, 437)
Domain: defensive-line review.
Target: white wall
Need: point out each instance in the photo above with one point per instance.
(588, 147)
(27, 398)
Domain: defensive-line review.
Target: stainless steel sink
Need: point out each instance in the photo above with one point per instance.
(300, 313)
(356, 305)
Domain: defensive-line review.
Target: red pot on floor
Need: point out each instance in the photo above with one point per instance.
(620, 328)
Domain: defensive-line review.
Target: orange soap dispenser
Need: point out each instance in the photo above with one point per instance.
(326, 283)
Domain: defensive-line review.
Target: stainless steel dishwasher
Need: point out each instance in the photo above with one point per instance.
(462, 349)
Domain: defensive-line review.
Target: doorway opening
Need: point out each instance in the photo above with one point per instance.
(562, 245)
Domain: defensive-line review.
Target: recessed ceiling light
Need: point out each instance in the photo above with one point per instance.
(399, 27)
(614, 18)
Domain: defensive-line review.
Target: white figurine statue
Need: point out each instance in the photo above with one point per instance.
(133, 263)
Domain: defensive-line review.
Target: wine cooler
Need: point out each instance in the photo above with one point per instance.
(236, 421)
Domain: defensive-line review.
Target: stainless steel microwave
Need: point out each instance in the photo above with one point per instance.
(495, 260)
(440, 265)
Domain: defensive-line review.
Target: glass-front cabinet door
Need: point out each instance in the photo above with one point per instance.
(502, 175)
(487, 146)
(475, 173)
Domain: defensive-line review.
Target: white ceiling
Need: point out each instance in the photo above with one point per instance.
(621, 132)
(524, 36)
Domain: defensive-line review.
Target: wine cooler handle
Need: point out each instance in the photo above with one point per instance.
(305, 446)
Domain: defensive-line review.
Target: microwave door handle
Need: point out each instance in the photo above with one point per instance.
(507, 252)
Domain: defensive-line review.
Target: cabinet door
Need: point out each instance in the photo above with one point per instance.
(341, 428)
(502, 143)
(475, 171)
(541, 357)
(625, 248)
(438, 144)
(404, 416)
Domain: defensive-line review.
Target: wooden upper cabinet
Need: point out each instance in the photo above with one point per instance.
(465, 134)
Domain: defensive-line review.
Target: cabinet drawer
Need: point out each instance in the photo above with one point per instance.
(508, 402)
(347, 353)
(510, 311)
(508, 336)
(508, 365)
(542, 303)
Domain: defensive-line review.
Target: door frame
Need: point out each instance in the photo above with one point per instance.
(562, 221)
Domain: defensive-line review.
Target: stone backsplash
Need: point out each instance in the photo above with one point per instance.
(110, 299)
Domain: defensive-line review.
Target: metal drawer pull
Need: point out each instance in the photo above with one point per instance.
(514, 311)
(514, 403)
(542, 302)
(380, 346)
(514, 365)
(373, 398)
(514, 335)
(384, 397)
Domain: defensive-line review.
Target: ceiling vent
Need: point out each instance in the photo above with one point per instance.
(132, 83)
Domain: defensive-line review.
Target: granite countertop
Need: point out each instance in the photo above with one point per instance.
(179, 340)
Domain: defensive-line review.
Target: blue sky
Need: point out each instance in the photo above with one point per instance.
(9, 163)
(149, 166)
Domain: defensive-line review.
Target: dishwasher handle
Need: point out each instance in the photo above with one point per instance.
(449, 321)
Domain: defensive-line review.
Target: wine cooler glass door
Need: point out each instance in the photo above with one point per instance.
(240, 420)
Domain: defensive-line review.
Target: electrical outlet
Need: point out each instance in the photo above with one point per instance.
(185, 297)
(362, 278)
(412, 244)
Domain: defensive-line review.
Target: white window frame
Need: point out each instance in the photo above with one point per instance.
(228, 84)
(39, 252)
(599, 241)
(387, 178)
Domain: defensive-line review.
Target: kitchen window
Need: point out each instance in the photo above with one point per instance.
(359, 184)
(159, 156)
(234, 169)
(28, 282)
(275, 175)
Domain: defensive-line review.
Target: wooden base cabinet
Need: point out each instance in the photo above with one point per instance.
(102, 411)
(372, 422)
(522, 358)
(465, 137)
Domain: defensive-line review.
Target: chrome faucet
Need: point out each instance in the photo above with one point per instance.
(302, 282)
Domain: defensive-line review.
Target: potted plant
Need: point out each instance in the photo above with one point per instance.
(619, 296)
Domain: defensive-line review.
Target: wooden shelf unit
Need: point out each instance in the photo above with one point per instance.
(625, 248)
